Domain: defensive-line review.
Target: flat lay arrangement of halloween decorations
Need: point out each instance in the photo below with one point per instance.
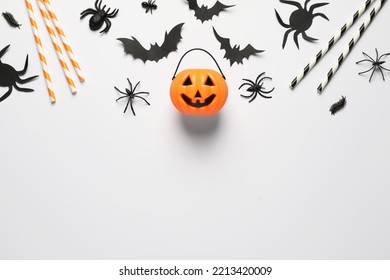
(99, 16)
(198, 91)
(300, 20)
(204, 13)
(376, 64)
(338, 105)
(235, 54)
(11, 20)
(256, 88)
(51, 21)
(149, 5)
(9, 77)
(155, 52)
(132, 95)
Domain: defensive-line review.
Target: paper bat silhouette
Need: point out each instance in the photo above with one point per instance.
(204, 13)
(234, 54)
(156, 52)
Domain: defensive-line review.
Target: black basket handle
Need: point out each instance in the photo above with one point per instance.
(197, 49)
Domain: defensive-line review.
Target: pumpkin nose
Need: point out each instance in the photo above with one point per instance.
(197, 95)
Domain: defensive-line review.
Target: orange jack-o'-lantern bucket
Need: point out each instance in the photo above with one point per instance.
(199, 91)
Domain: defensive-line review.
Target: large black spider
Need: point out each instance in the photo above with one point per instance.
(256, 88)
(9, 76)
(100, 16)
(300, 20)
(149, 6)
(131, 95)
(375, 63)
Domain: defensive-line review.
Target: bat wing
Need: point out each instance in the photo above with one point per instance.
(234, 54)
(156, 52)
(171, 41)
(204, 13)
(246, 53)
(133, 47)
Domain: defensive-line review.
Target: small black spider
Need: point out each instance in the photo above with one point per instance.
(375, 63)
(300, 20)
(99, 17)
(131, 95)
(256, 87)
(149, 6)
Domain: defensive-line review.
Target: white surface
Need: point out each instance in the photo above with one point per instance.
(275, 179)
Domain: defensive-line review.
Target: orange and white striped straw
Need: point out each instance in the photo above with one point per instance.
(41, 54)
(64, 40)
(56, 45)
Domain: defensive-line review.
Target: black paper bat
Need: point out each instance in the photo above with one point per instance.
(234, 54)
(204, 13)
(156, 52)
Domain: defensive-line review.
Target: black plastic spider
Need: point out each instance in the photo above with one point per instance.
(376, 64)
(149, 6)
(131, 95)
(300, 20)
(99, 17)
(256, 88)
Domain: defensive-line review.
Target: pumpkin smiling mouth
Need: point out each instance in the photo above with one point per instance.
(197, 103)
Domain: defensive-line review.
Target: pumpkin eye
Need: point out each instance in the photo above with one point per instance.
(187, 82)
(209, 82)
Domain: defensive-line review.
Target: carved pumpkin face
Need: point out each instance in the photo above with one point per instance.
(199, 92)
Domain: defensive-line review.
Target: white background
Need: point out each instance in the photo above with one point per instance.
(274, 179)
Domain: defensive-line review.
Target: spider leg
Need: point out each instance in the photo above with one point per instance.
(25, 81)
(281, 21)
(254, 96)
(306, 2)
(87, 12)
(296, 4)
(315, 6)
(267, 91)
(372, 74)
(121, 98)
(136, 85)
(321, 15)
(384, 68)
(108, 26)
(367, 70)
(130, 101)
(98, 5)
(113, 14)
(258, 78)
(366, 55)
(285, 37)
(3, 51)
(247, 84)
(385, 54)
(364, 60)
(22, 72)
(377, 55)
(131, 106)
(7, 94)
(307, 38)
(142, 99)
(120, 91)
(131, 85)
(141, 92)
(296, 39)
(248, 96)
(264, 96)
(383, 76)
(108, 11)
(22, 89)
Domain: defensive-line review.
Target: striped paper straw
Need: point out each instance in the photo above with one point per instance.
(331, 43)
(41, 55)
(64, 40)
(56, 45)
(351, 44)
